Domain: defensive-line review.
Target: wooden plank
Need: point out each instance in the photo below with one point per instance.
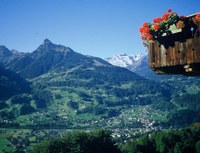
(189, 51)
(157, 54)
(176, 53)
(163, 56)
(155, 51)
(196, 49)
(170, 56)
(167, 55)
(151, 55)
(182, 48)
(179, 53)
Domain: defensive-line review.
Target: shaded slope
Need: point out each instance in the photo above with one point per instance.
(11, 84)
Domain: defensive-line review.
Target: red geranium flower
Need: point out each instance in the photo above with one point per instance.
(146, 30)
(197, 17)
(141, 30)
(145, 24)
(156, 26)
(157, 20)
(165, 16)
(149, 37)
(180, 24)
(169, 10)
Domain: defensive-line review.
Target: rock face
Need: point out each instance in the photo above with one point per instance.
(5, 54)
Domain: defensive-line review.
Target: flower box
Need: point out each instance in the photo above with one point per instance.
(176, 51)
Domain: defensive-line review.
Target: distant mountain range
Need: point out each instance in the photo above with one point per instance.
(124, 60)
(131, 62)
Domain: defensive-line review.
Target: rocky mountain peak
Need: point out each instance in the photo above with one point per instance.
(5, 52)
(47, 44)
(47, 41)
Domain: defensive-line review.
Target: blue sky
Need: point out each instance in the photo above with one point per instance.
(101, 28)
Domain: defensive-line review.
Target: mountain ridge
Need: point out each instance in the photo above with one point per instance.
(46, 57)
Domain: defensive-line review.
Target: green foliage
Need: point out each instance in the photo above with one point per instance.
(21, 99)
(99, 110)
(11, 84)
(42, 97)
(143, 145)
(5, 145)
(163, 105)
(197, 146)
(184, 117)
(178, 141)
(3, 105)
(79, 142)
(183, 109)
(58, 96)
(113, 112)
(7, 114)
(26, 109)
(190, 101)
(73, 105)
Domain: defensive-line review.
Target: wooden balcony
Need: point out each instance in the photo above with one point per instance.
(177, 53)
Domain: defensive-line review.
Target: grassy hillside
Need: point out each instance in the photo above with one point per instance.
(176, 141)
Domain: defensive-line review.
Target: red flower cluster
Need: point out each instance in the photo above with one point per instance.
(197, 17)
(161, 25)
(145, 32)
(165, 16)
(156, 26)
(169, 10)
(157, 20)
(144, 28)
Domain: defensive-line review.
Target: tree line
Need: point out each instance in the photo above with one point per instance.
(185, 140)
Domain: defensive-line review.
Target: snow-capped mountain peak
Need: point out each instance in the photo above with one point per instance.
(124, 60)
(138, 57)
